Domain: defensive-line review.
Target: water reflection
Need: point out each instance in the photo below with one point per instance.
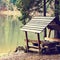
(10, 34)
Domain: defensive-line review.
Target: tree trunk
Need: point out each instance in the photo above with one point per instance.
(57, 13)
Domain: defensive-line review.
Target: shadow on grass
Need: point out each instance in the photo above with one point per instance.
(43, 52)
(52, 52)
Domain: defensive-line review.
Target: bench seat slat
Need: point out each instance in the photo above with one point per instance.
(52, 39)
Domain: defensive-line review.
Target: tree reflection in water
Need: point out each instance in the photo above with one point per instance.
(10, 34)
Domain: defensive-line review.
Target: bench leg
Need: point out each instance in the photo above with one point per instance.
(27, 46)
(38, 42)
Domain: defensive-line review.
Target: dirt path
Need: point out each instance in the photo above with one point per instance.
(30, 56)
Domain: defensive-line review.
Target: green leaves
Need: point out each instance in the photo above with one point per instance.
(23, 6)
(26, 6)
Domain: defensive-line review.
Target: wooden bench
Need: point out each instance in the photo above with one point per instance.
(52, 39)
(44, 44)
(34, 41)
(35, 44)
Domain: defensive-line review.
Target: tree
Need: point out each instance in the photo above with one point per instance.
(26, 6)
(57, 9)
(12, 1)
(23, 6)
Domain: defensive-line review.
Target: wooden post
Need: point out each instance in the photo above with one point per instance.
(44, 7)
(56, 8)
(27, 46)
(49, 33)
(45, 15)
(38, 41)
(56, 33)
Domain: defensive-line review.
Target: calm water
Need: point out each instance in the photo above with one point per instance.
(10, 34)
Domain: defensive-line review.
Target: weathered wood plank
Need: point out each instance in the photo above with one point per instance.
(35, 47)
(42, 25)
(33, 28)
(36, 31)
(44, 17)
(37, 24)
(52, 39)
(39, 21)
(38, 28)
(34, 41)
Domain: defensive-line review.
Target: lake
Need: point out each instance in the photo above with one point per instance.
(10, 34)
